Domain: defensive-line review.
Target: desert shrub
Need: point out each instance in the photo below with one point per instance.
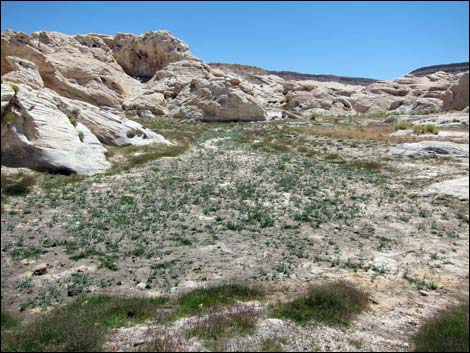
(81, 325)
(201, 299)
(162, 342)
(9, 117)
(20, 187)
(429, 128)
(131, 134)
(14, 87)
(401, 126)
(219, 325)
(8, 320)
(331, 304)
(81, 136)
(313, 117)
(447, 331)
(73, 120)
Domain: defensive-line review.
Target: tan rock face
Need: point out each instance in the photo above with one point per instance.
(70, 68)
(39, 136)
(94, 80)
(216, 100)
(142, 56)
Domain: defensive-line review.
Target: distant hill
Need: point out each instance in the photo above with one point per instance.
(290, 75)
(452, 68)
(247, 70)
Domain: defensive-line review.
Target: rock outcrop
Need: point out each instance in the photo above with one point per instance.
(98, 81)
(431, 148)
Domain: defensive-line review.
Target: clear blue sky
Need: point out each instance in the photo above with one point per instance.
(381, 40)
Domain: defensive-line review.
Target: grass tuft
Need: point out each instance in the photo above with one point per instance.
(81, 325)
(331, 304)
(447, 331)
(199, 300)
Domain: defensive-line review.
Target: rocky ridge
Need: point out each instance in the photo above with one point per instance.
(64, 97)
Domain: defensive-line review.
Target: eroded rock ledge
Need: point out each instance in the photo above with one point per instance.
(76, 93)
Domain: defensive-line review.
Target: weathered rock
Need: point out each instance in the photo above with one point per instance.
(141, 56)
(458, 188)
(41, 137)
(7, 95)
(53, 133)
(40, 270)
(216, 100)
(431, 148)
(69, 67)
(24, 71)
(457, 97)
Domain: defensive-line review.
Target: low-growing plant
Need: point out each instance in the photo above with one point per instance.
(14, 87)
(9, 117)
(429, 128)
(20, 187)
(332, 304)
(401, 126)
(81, 136)
(217, 325)
(81, 325)
(447, 331)
(200, 300)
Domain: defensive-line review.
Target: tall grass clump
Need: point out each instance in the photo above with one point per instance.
(331, 304)
(447, 331)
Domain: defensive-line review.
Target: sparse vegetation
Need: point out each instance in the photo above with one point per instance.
(331, 304)
(402, 126)
(218, 325)
(200, 300)
(81, 136)
(14, 87)
(429, 128)
(80, 325)
(446, 331)
(9, 117)
(13, 186)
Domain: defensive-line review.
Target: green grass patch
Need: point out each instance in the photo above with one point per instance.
(81, 325)
(216, 326)
(14, 87)
(447, 331)
(18, 185)
(9, 117)
(331, 304)
(199, 300)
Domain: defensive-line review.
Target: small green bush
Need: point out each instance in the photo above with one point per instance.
(131, 134)
(73, 120)
(401, 126)
(331, 304)
(215, 326)
(447, 331)
(19, 188)
(313, 117)
(81, 136)
(14, 87)
(81, 325)
(429, 128)
(9, 117)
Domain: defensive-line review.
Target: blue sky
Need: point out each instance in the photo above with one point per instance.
(381, 40)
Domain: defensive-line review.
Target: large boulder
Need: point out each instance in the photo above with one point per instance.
(44, 131)
(216, 100)
(141, 56)
(37, 135)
